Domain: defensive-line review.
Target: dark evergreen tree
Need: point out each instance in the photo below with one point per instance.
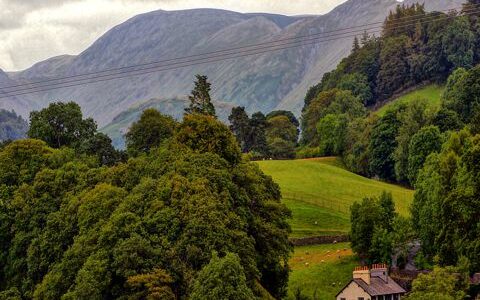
(200, 101)
(258, 137)
(241, 127)
(394, 71)
(382, 146)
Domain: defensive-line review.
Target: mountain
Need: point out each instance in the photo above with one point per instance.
(274, 80)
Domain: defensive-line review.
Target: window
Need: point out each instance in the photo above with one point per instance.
(361, 298)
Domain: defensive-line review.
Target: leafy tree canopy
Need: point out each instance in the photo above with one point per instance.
(144, 228)
(149, 131)
(61, 124)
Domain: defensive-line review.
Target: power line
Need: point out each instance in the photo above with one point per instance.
(226, 50)
(177, 65)
(139, 72)
(219, 51)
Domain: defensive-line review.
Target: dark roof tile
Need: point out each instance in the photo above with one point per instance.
(378, 287)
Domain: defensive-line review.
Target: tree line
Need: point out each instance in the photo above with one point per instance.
(180, 214)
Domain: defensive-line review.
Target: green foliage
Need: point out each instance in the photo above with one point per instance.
(283, 128)
(363, 218)
(100, 145)
(149, 132)
(291, 117)
(412, 116)
(222, 278)
(281, 149)
(141, 229)
(333, 102)
(359, 86)
(441, 284)
(446, 120)
(282, 135)
(12, 127)
(273, 136)
(241, 127)
(152, 286)
(200, 101)
(371, 233)
(356, 154)
(60, 125)
(426, 141)
(447, 189)
(462, 94)
(331, 131)
(204, 133)
(382, 146)
(394, 23)
(458, 43)
(258, 135)
(393, 72)
(404, 56)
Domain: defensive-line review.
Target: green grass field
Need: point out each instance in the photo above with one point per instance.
(321, 269)
(432, 93)
(320, 192)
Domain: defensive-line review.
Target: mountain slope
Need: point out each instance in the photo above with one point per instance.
(264, 82)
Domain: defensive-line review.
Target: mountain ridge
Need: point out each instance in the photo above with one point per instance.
(264, 82)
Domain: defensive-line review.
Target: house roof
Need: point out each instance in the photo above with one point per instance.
(378, 287)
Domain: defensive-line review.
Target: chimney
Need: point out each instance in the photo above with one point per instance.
(362, 273)
(380, 271)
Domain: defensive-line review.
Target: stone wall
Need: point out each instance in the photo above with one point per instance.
(319, 240)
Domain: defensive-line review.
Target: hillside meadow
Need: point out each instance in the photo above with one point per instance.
(432, 93)
(320, 192)
(321, 270)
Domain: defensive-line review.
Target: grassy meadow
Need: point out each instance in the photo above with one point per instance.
(320, 192)
(321, 270)
(432, 93)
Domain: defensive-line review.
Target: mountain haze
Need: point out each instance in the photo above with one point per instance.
(274, 80)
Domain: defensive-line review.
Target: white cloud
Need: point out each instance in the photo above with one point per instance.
(34, 30)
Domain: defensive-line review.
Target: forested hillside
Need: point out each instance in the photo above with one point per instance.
(12, 126)
(432, 148)
(334, 120)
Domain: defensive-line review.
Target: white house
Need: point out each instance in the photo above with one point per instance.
(371, 284)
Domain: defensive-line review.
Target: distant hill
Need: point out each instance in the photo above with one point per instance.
(275, 80)
(12, 126)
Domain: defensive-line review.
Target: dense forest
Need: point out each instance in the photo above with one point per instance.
(176, 214)
(336, 118)
(435, 151)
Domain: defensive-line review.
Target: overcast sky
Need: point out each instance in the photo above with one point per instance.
(34, 30)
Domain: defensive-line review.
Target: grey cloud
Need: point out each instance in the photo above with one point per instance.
(34, 30)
